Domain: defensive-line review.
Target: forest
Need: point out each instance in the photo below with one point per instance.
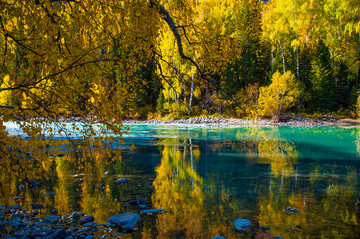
(179, 58)
(103, 61)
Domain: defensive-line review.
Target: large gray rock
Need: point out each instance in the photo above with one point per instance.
(126, 221)
(241, 225)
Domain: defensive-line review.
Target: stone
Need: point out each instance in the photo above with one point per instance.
(74, 214)
(89, 224)
(241, 225)
(86, 219)
(53, 219)
(265, 228)
(52, 194)
(36, 206)
(122, 180)
(290, 209)
(41, 233)
(20, 234)
(153, 211)
(126, 221)
(35, 212)
(142, 207)
(33, 183)
(16, 207)
(218, 237)
(59, 234)
(135, 202)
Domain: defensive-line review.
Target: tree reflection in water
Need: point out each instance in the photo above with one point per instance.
(191, 176)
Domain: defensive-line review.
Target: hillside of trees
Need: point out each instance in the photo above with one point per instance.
(155, 58)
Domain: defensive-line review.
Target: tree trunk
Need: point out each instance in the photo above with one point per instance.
(191, 93)
(282, 56)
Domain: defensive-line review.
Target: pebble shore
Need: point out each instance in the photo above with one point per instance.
(283, 121)
(18, 223)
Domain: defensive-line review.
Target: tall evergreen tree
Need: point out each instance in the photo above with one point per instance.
(323, 87)
(249, 68)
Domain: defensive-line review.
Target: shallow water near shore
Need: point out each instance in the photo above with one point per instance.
(207, 176)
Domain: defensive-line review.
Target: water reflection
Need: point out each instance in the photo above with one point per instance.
(205, 178)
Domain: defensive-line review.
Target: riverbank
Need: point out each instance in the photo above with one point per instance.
(282, 121)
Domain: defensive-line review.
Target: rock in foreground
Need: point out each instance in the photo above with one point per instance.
(125, 221)
(241, 225)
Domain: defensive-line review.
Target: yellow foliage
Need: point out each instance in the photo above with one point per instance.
(4, 95)
(280, 95)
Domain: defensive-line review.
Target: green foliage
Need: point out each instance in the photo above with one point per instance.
(323, 88)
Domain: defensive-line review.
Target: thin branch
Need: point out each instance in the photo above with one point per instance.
(168, 19)
(13, 107)
(71, 66)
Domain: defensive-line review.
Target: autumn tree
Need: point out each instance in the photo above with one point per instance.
(280, 95)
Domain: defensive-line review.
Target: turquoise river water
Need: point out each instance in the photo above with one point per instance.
(207, 176)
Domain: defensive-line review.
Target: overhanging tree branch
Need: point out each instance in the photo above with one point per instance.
(170, 22)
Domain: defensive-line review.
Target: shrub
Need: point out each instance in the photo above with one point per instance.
(280, 95)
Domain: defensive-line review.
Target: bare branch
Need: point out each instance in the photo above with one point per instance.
(168, 19)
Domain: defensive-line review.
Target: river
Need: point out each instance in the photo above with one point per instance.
(206, 176)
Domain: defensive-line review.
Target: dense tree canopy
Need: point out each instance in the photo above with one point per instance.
(104, 60)
(145, 58)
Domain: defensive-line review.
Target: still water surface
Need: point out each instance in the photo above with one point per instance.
(208, 176)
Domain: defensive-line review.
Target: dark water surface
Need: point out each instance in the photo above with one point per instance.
(206, 177)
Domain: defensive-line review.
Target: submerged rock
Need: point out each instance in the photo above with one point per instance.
(153, 211)
(125, 221)
(135, 202)
(265, 228)
(290, 209)
(122, 180)
(36, 206)
(33, 183)
(142, 207)
(241, 225)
